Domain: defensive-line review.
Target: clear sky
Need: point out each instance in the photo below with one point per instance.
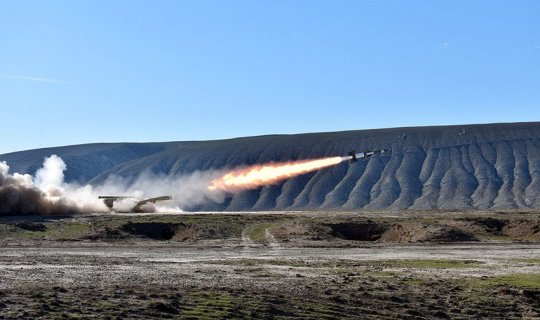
(109, 71)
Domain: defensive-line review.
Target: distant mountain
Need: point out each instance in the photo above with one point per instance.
(84, 161)
(446, 167)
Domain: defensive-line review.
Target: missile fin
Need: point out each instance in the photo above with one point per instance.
(352, 153)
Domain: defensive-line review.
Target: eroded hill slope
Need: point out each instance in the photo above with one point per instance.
(449, 167)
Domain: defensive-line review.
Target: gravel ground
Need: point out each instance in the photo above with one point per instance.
(102, 268)
(249, 273)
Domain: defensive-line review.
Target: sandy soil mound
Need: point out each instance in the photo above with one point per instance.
(525, 229)
(418, 232)
(303, 231)
(372, 231)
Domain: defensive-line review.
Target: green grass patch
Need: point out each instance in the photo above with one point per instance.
(379, 273)
(412, 282)
(347, 264)
(257, 232)
(225, 305)
(432, 263)
(73, 231)
(258, 262)
(211, 305)
(494, 237)
(29, 235)
(477, 297)
(55, 231)
(527, 260)
(518, 280)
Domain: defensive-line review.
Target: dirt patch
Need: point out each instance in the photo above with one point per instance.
(164, 307)
(160, 230)
(490, 225)
(174, 231)
(372, 231)
(31, 226)
(212, 232)
(419, 232)
(522, 229)
(316, 231)
(152, 230)
(479, 225)
(301, 230)
(310, 229)
(170, 280)
(360, 231)
(519, 229)
(185, 233)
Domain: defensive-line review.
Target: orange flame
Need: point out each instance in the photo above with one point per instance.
(270, 173)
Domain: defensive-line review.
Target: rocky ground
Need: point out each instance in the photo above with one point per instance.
(415, 265)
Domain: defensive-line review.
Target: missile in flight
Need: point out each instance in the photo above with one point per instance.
(259, 175)
(355, 156)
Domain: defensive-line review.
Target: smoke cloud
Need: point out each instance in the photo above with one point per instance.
(188, 191)
(22, 194)
(46, 193)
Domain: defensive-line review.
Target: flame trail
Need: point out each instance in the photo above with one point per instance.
(260, 175)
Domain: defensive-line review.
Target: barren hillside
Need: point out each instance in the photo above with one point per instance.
(449, 167)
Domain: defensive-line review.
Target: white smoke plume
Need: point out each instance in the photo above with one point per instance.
(47, 193)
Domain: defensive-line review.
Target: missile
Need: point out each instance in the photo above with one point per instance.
(355, 156)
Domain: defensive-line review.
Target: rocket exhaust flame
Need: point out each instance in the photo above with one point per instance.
(46, 193)
(260, 175)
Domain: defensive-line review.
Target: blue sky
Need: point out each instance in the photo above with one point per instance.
(108, 71)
